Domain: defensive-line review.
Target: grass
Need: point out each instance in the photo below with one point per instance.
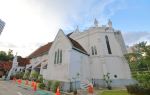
(114, 92)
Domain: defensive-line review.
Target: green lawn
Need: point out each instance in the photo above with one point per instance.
(114, 92)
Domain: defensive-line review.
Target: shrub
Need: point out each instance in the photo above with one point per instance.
(107, 80)
(49, 84)
(26, 75)
(34, 75)
(54, 85)
(40, 79)
(41, 85)
(138, 90)
(18, 75)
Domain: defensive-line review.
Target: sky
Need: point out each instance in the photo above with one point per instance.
(32, 23)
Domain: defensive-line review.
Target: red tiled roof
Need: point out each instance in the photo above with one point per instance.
(43, 49)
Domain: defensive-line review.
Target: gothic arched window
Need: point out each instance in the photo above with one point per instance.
(95, 50)
(92, 50)
(108, 45)
(55, 57)
(60, 56)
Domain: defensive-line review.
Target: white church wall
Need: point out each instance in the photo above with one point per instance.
(96, 68)
(115, 66)
(78, 65)
(96, 37)
(59, 71)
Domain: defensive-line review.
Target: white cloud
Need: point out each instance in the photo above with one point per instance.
(29, 22)
(131, 38)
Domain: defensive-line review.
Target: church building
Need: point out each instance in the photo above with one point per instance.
(86, 55)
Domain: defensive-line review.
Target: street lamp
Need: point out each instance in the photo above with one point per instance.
(75, 91)
(74, 78)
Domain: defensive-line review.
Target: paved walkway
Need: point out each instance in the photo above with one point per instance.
(10, 88)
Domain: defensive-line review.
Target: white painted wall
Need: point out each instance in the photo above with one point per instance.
(78, 64)
(59, 71)
(115, 62)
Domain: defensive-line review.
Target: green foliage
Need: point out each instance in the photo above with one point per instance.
(40, 79)
(19, 75)
(41, 85)
(144, 79)
(26, 75)
(140, 69)
(137, 90)
(3, 56)
(54, 86)
(6, 56)
(34, 75)
(107, 80)
(49, 84)
(10, 54)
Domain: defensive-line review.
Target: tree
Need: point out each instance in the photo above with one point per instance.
(3, 56)
(139, 60)
(6, 56)
(10, 54)
(141, 64)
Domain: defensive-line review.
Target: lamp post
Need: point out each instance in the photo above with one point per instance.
(70, 85)
(74, 78)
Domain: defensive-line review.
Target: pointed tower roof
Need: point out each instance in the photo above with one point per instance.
(96, 22)
(60, 30)
(77, 29)
(109, 23)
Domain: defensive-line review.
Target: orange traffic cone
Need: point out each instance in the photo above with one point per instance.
(35, 86)
(19, 81)
(58, 91)
(90, 89)
(26, 83)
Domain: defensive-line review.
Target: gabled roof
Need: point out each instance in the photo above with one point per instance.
(45, 48)
(42, 50)
(77, 46)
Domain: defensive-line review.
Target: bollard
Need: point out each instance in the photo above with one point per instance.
(58, 91)
(35, 86)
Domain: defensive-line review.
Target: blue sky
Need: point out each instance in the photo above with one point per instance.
(32, 23)
(135, 17)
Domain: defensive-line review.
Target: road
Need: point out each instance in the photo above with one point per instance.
(11, 88)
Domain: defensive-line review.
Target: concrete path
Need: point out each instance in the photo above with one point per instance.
(10, 88)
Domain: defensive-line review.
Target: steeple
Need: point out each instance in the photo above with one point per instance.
(60, 30)
(96, 22)
(77, 29)
(110, 23)
(15, 63)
